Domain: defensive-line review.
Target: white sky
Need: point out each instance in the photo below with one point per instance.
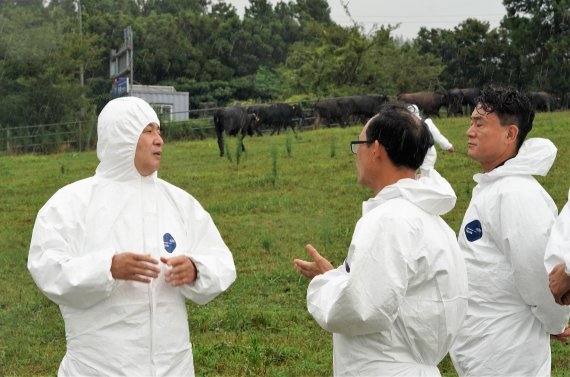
(411, 14)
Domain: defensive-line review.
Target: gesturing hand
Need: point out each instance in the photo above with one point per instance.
(312, 269)
(132, 266)
(183, 270)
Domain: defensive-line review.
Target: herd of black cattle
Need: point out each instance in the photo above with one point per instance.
(243, 121)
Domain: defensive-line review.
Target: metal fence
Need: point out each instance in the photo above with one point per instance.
(79, 136)
(44, 138)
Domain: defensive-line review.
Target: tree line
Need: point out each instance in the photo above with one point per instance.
(289, 51)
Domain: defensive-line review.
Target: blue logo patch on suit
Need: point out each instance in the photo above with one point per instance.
(169, 242)
(473, 231)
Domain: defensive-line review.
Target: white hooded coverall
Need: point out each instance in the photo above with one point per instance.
(558, 247)
(400, 297)
(120, 327)
(511, 312)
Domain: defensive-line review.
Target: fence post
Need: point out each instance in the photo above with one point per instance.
(7, 139)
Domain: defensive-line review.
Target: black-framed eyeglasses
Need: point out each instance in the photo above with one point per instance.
(355, 144)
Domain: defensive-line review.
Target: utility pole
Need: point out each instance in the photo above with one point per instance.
(81, 81)
(81, 39)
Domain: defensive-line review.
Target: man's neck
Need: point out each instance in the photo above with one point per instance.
(498, 161)
(392, 176)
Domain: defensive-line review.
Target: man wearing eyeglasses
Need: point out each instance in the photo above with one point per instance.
(396, 303)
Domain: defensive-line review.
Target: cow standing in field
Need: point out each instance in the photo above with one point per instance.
(428, 102)
(333, 110)
(285, 116)
(543, 101)
(276, 116)
(453, 99)
(341, 109)
(469, 98)
(233, 120)
(365, 107)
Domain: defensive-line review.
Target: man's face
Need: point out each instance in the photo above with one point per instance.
(363, 158)
(486, 139)
(149, 150)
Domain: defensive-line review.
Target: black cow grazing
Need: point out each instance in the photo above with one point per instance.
(277, 115)
(428, 102)
(233, 120)
(543, 101)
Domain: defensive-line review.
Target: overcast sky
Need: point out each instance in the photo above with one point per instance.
(411, 14)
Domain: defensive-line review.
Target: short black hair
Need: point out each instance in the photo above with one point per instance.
(405, 137)
(510, 106)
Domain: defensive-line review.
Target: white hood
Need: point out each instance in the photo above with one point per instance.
(429, 191)
(119, 127)
(535, 157)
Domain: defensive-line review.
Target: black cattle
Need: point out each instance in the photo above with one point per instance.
(428, 102)
(543, 101)
(366, 106)
(341, 110)
(470, 96)
(453, 99)
(286, 115)
(333, 111)
(276, 116)
(262, 114)
(565, 103)
(233, 120)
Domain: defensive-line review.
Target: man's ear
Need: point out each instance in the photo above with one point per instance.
(378, 149)
(512, 133)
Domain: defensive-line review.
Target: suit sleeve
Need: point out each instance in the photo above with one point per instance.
(59, 269)
(525, 222)
(213, 259)
(366, 299)
(438, 136)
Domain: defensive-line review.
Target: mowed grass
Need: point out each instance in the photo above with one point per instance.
(286, 191)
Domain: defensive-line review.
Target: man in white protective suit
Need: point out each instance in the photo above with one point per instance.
(396, 303)
(120, 252)
(557, 257)
(511, 312)
(431, 155)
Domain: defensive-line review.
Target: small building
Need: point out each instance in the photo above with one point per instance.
(169, 104)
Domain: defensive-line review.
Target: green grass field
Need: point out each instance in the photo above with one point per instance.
(285, 192)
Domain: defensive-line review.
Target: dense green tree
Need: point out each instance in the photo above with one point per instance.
(40, 57)
(174, 6)
(472, 53)
(539, 35)
(313, 10)
(346, 62)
